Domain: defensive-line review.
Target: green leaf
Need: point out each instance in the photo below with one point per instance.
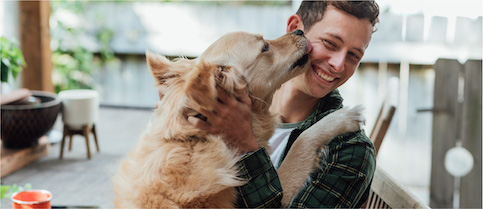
(8, 190)
(12, 59)
(3, 190)
(4, 72)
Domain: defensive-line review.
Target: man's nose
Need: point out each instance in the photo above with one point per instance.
(337, 61)
(298, 32)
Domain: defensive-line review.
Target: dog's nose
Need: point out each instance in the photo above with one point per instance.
(298, 32)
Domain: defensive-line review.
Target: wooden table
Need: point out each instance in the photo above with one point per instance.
(14, 159)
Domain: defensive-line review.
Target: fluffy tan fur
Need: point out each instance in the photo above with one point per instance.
(174, 164)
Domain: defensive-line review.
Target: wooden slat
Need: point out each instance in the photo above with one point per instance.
(392, 194)
(382, 124)
(14, 159)
(471, 134)
(445, 130)
(367, 204)
(386, 114)
(376, 124)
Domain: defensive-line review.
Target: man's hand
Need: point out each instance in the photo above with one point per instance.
(231, 117)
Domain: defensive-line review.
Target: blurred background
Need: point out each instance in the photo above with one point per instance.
(101, 45)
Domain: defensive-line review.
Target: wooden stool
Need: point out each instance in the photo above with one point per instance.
(80, 110)
(85, 131)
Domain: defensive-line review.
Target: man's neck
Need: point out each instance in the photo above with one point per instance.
(292, 104)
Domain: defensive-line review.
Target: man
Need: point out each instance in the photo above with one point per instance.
(340, 32)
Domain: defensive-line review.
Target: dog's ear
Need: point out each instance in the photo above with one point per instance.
(229, 78)
(200, 85)
(159, 66)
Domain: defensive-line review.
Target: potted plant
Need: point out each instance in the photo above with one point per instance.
(12, 59)
(23, 121)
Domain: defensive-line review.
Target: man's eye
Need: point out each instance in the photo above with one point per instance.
(329, 44)
(355, 56)
(266, 47)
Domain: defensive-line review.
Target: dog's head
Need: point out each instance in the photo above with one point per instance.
(232, 62)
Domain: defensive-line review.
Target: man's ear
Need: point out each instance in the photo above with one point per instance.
(159, 66)
(294, 22)
(200, 86)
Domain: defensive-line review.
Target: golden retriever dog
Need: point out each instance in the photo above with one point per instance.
(175, 165)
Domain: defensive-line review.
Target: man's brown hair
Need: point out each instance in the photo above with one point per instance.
(313, 11)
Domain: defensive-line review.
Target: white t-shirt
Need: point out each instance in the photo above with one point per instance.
(279, 140)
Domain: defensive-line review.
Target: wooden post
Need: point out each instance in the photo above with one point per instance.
(35, 45)
(445, 130)
(471, 134)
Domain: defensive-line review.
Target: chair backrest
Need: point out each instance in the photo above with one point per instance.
(383, 121)
(387, 193)
(386, 113)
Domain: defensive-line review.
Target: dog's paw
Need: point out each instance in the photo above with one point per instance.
(346, 120)
(339, 122)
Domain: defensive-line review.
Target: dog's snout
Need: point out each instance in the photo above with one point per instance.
(298, 32)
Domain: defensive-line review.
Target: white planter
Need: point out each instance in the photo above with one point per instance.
(80, 107)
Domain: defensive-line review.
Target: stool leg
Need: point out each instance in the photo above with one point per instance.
(95, 137)
(69, 134)
(70, 141)
(63, 142)
(86, 135)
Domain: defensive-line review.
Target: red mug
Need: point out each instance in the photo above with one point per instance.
(31, 199)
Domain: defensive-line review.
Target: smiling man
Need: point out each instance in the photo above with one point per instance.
(340, 32)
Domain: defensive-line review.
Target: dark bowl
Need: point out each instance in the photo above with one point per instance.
(23, 125)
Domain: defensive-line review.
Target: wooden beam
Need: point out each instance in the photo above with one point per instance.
(15, 159)
(35, 45)
(445, 130)
(471, 134)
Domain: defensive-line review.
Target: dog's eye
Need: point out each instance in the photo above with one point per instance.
(266, 47)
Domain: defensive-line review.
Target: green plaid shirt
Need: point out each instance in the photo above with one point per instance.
(344, 183)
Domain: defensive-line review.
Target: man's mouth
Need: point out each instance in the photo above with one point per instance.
(323, 75)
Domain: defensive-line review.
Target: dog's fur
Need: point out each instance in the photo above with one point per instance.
(175, 165)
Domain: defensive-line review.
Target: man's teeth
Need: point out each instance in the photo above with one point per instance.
(324, 76)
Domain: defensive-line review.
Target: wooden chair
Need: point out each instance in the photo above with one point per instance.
(387, 193)
(381, 126)
(80, 112)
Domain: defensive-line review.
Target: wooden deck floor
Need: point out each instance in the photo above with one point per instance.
(75, 180)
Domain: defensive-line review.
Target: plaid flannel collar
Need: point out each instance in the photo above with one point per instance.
(326, 105)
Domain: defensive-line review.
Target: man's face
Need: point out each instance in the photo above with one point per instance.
(339, 41)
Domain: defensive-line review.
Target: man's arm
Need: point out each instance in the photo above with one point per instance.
(263, 188)
(346, 180)
(344, 183)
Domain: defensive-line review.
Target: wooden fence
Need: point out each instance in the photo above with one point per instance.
(456, 119)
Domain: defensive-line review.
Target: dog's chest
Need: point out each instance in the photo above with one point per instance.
(207, 161)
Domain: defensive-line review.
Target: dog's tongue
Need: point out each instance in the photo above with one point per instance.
(309, 47)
